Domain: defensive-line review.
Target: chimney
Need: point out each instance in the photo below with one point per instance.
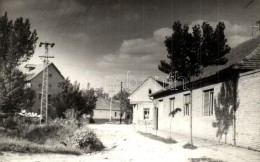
(30, 67)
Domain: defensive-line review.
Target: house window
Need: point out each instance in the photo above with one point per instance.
(186, 105)
(115, 114)
(28, 85)
(208, 102)
(40, 86)
(171, 104)
(40, 96)
(150, 91)
(50, 86)
(146, 113)
(50, 75)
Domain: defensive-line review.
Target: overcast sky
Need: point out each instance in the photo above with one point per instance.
(108, 38)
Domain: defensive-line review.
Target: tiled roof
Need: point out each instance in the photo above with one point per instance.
(104, 104)
(38, 69)
(244, 56)
(236, 56)
(163, 84)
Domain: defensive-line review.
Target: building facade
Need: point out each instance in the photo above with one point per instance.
(142, 104)
(225, 103)
(102, 113)
(34, 74)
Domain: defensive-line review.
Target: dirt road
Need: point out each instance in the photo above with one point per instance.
(124, 144)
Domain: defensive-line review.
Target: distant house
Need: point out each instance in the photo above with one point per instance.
(143, 106)
(101, 114)
(225, 101)
(34, 74)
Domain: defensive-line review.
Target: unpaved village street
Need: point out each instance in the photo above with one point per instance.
(124, 144)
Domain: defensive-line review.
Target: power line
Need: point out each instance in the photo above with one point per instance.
(54, 15)
(60, 20)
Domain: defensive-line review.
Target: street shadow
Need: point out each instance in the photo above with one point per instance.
(224, 109)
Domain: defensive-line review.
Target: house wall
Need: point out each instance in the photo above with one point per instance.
(138, 111)
(202, 125)
(53, 81)
(105, 114)
(248, 110)
(140, 99)
(247, 126)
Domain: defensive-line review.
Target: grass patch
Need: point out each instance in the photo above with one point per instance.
(204, 159)
(24, 146)
(158, 138)
(189, 146)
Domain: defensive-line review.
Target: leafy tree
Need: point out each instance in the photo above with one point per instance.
(71, 97)
(124, 103)
(190, 52)
(17, 45)
(100, 92)
(14, 96)
(90, 99)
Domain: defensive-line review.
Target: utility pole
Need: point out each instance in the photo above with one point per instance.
(45, 84)
(111, 105)
(121, 103)
(253, 26)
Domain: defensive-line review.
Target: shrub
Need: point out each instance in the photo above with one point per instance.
(40, 133)
(10, 123)
(87, 140)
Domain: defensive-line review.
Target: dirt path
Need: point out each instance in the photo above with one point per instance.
(123, 144)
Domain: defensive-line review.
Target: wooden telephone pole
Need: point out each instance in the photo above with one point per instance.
(45, 85)
(121, 103)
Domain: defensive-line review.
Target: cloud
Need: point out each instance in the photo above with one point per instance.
(146, 53)
(136, 53)
(132, 16)
(80, 37)
(235, 33)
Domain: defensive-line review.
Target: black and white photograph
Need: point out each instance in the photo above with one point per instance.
(130, 80)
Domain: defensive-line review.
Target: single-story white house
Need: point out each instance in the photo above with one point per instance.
(225, 101)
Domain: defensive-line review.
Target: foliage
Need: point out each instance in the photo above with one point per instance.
(125, 103)
(100, 92)
(40, 133)
(23, 146)
(71, 97)
(87, 140)
(13, 96)
(173, 112)
(17, 44)
(59, 136)
(224, 108)
(91, 100)
(10, 123)
(190, 52)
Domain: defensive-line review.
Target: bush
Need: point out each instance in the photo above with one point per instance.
(10, 123)
(40, 133)
(87, 140)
